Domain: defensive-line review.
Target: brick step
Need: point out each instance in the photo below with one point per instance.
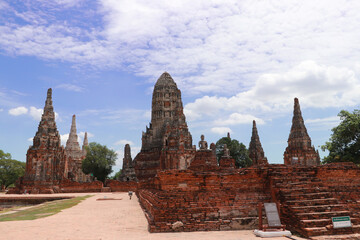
(303, 190)
(307, 196)
(319, 208)
(292, 175)
(302, 184)
(324, 222)
(315, 231)
(321, 215)
(312, 202)
(355, 236)
(332, 231)
(294, 179)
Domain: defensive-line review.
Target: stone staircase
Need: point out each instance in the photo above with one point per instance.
(308, 205)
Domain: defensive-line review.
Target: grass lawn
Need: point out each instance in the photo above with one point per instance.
(43, 210)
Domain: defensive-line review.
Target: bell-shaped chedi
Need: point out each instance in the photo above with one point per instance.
(256, 152)
(167, 142)
(299, 150)
(128, 170)
(75, 155)
(45, 159)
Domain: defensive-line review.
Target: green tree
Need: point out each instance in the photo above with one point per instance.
(99, 161)
(238, 151)
(344, 143)
(10, 170)
(117, 175)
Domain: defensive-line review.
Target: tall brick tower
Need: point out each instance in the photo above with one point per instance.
(75, 155)
(256, 152)
(167, 142)
(127, 171)
(299, 150)
(45, 159)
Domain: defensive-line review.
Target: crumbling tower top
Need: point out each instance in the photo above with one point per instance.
(256, 152)
(47, 135)
(299, 150)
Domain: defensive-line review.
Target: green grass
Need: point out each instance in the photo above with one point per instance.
(43, 210)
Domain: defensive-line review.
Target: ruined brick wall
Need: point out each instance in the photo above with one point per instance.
(68, 186)
(119, 186)
(342, 179)
(204, 200)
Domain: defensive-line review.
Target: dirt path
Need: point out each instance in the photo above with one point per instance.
(110, 219)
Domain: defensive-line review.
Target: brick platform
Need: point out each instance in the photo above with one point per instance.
(223, 200)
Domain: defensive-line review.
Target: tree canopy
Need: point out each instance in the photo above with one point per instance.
(344, 143)
(10, 170)
(99, 161)
(238, 151)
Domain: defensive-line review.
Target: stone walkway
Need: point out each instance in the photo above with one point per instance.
(110, 219)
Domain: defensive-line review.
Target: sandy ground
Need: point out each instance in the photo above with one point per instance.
(110, 219)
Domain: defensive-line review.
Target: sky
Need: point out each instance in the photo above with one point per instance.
(234, 61)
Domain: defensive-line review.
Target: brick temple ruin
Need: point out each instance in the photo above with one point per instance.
(51, 168)
(194, 193)
(181, 188)
(167, 142)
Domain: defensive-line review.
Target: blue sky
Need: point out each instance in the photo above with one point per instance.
(234, 61)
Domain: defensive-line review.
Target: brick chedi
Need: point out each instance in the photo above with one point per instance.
(299, 150)
(256, 152)
(75, 155)
(46, 161)
(128, 170)
(167, 142)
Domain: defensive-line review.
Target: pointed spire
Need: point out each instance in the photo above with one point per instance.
(86, 142)
(256, 152)
(299, 150)
(47, 127)
(72, 142)
(127, 160)
(228, 135)
(165, 80)
(298, 130)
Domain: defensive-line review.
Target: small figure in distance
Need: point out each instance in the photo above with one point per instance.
(130, 194)
(203, 144)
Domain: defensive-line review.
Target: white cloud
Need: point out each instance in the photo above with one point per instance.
(238, 118)
(316, 85)
(36, 113)
(209, 46)
(18, 111)
(123, 142)
(30, 139)
(220, 130)
(1, 109)
(70, 87)
(64, 138)
(323, 123)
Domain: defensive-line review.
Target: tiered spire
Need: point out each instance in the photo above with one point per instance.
(127, 171)
(72, 143)
(256, 152)
(299, 150)
(46, 159)
(47, 135)
(86, 142)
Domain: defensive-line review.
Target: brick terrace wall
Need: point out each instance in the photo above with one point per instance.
(118, 186)
(218, 200)
(343, 181)
(68, 186)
